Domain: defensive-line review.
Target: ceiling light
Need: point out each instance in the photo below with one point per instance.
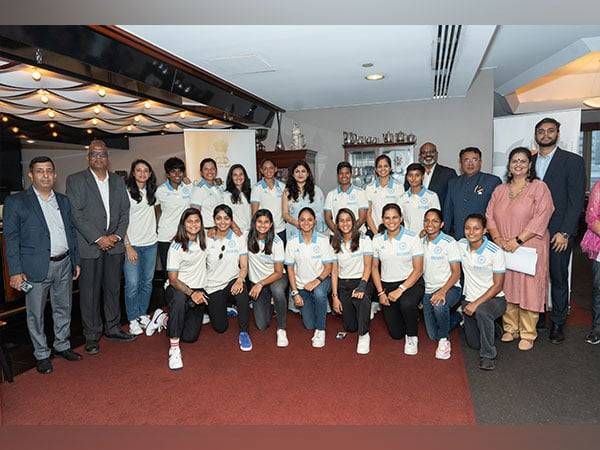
(129, 127)
(182, 114)
(36, 75)
(96, 109)
(375, 77)
(210, 122)
(54, 134)
(101, 92)
(30, 141)
(87, 147)
(593, 102)
(51, 114)
(367, 65)
(51, 125)
(147, 105)
(95, 121)
(15, 129)
(89, 131)
(44, 99)
(137, 118)
(167, 125)
(4, 119)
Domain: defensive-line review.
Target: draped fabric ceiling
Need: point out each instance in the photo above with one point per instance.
(39, 95)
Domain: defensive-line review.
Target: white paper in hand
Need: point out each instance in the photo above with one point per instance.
(523, 260)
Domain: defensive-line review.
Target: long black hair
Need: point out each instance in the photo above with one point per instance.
(338, 238)
(233, 190)
(181, 236)
(531, 175)
(133, 188)
(253, 234)
(292, 185)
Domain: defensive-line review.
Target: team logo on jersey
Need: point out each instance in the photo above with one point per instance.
(403, 246)
(481, 260)
(437, 250)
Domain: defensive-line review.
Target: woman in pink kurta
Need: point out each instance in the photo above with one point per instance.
(518, 215)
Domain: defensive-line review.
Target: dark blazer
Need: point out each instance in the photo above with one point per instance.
(89, 215)
(27, 235)
(439, 181)
(467, 195)
(565, 178)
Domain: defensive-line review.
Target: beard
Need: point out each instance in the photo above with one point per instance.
(552, 143)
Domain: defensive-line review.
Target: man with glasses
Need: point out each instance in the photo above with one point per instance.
(42, 255)
(469, 193)
(564, 173)
(101, 215)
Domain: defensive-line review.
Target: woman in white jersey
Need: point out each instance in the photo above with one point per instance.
(397, 275)
(206, 194)
(442, 286)
(237, 197)
(350, 277)
(185, 294)
(383, 190)
(265, 271)
(417, 199)
(309, 257)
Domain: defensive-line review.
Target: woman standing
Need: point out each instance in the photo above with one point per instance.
(591, 245)
(483, 266)
(265, 267)
(350, 277)
(301, 192)
(227, 267)
(309, 257)
(383, 190)
(397, 271)
(518, 216)
(206, 194)
(417, 199)
(185, 294)
(237, 197)
(140, 244)
(442, 285)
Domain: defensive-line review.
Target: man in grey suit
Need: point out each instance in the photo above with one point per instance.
(101, 215)
(42, 256)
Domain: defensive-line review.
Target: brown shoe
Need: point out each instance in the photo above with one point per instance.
(525, 344)
(508, 337)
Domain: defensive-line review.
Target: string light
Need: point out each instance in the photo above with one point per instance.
(36, 75)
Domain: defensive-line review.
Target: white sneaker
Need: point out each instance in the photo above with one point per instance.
(144, 321)
(443, 349)
(364, 344)
(205, 319)
(375, 308)
(319, 339)
(411, 345)
(135, 328)
(175, 359)
(282, 340)
(156, 322)
(315, 334)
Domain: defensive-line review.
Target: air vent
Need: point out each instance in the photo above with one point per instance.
(444, 54)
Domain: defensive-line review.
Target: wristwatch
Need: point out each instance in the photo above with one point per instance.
(565, 235)
(519, 241)
(294, 293)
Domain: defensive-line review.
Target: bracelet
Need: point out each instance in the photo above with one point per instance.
(380, 293)
(320, 279)
(402, 287)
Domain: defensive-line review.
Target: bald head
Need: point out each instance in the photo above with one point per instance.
(98, 156)
(428, 154)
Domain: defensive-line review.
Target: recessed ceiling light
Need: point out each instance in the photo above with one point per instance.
(210, 122)
(15, 129)
(54, 134)
(137, 118)
(182, 114)
(96, 109)
(51, 114)
(367, 65)
(129, 128)
(4, 119)
(44, 99)
(375, 77)
(36, 75)
(95, 121)
(167, 125)
(87, 147)
(147, 105)
(51, 125)
(30, 141)
(89, 131)
(101, 92)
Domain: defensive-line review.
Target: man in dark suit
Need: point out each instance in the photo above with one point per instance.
(564, 173)
(436, 176)
(469, 193)
(42, 254)
(101, 215)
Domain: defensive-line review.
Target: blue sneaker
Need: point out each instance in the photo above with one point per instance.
(231, 311)
(245, 342)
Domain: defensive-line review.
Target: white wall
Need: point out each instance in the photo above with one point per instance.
(451, 124)
(154, 149)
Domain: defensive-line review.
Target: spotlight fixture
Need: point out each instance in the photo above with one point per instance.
(4, 119)
(375, 77)
(89, 131)
(15, 129)
(96, 109)
(54, 134)
(36, 75)
(51, 114)
(44, 99)
(101, 92)
(51, 125)
(147, 104)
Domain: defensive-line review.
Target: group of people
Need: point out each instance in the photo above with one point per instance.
(436, 242)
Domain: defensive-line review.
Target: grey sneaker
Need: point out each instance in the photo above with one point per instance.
(593, 338)
(487, 364)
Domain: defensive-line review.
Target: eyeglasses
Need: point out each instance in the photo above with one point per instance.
(221, 254)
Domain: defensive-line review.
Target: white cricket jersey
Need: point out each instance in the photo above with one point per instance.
(172, 203)
(141, 230)
(207, 196)
(351, 265)
(396, 255)
(308, 258)
(414, 207)
(261, 265)
(223, 260)
(190, 264)
(379, 196)
(354, 199)
(479, 267)
(241, 211)
(270, 199)
(438, 255)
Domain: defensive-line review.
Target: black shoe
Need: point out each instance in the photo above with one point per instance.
(44, 365)
(68, 354)
(541, 323)
(487, 364)
(120, 336)
(92, 347)
(557, 335)
(593, 338)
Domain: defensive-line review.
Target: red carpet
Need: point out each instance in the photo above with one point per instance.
(219, 384)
